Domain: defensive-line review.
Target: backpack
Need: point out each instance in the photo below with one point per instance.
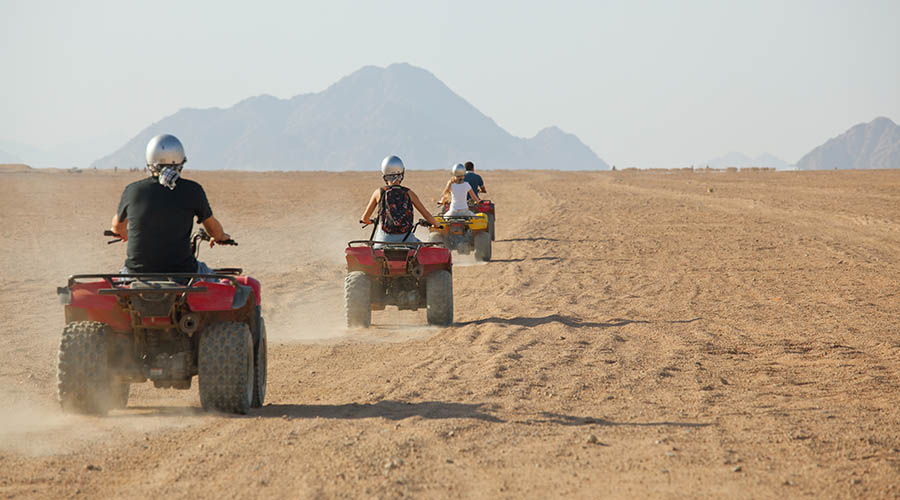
(396, 210)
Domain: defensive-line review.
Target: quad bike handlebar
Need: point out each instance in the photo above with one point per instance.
(371, 241)
(199, 235)
(421, 222)
(117, 236)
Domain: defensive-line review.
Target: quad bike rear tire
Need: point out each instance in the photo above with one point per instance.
(491, 225)
(357, 299)
(84, 379)
(482, 246)
(261, 365)
(226, 367)
(439, 298)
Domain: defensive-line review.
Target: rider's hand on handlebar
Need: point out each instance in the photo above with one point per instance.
(423, 222)
(118, 237)
(213, 241)
(365, 222)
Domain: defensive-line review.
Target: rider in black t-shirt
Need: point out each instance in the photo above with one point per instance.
(155, 214)
(474, 179)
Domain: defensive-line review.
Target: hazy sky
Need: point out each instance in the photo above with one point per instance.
(647, 84)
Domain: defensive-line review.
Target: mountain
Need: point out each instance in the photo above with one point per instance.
(741, 160)
(865, 146)
(352, 125)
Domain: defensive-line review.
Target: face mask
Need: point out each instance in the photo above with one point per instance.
(168, 175)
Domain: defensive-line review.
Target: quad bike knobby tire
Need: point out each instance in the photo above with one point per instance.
(259, 375)
(357, 299)
(226, 367)
(491, 225)
(482, 246)
(439, 297)
(84, 381)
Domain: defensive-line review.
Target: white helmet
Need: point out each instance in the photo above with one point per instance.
(392, 165)
(164, 151)
(458, 170)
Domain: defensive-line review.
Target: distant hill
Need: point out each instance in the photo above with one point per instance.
(865, 146)
(352, 125)
(14, 167)
(741, 160)
(8, 157)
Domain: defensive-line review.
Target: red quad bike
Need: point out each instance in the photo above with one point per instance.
(486, 207)
(166, 327)
(406, 275)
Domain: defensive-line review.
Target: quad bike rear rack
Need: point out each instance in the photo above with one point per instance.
(241, 294)
(394, 243)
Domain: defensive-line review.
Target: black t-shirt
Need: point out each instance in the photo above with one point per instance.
(474, 181)
(160, 221)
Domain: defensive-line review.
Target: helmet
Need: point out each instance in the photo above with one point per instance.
(165, 150)
(470, 166)
(458, 170)
(392, 165)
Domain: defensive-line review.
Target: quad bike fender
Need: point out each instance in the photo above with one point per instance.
(254, 284)
(485, 206)
(479, 222)
(435, 258)
(219, 296)
(361, 259)
(85, 304)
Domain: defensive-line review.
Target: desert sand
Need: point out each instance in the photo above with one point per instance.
(638, 334)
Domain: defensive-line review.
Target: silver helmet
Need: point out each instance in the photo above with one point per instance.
(163, 151)
(392, 165)
(458, 170)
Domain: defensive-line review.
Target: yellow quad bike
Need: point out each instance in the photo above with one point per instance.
(464, 234)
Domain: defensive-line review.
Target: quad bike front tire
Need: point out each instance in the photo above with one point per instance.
(260, 365)
(357, 299)
(491, 225)
(482, 246)
(226, 367)
(439, 298)
(84, 382)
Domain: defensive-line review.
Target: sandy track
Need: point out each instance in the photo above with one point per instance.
(717, 334)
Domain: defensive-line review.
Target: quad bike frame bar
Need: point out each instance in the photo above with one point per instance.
(241, 295)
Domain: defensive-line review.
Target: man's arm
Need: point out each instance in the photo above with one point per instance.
(422, 210)
(214, 229)
(371, 207)
(482, 189)
(119, 227)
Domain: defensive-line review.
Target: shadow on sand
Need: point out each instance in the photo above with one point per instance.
(524, 259)
(552, 318)
(537, 238)
(560, 419)
(389, 409)
(397, 410)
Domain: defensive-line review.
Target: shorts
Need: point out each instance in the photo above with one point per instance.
(380, 235)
